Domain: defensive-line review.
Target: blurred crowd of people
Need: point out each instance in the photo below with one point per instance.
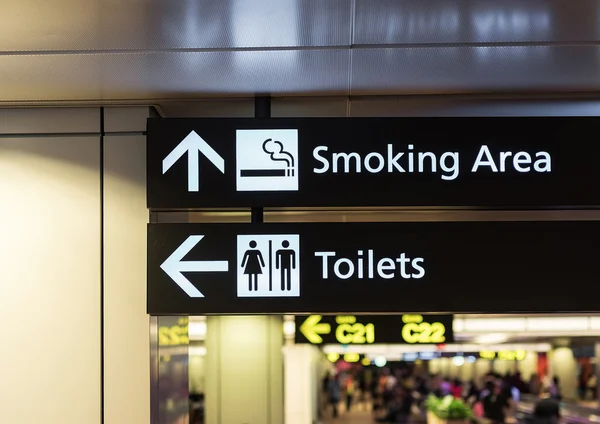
(587, 387)
(399, 396)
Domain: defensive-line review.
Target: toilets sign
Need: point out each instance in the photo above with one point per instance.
(316, 268)
(443, 162)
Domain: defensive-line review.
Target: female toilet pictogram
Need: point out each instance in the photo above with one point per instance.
(253, 263)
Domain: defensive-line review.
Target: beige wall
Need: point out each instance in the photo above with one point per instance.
(126, 324)
(244, 370)
(528, 366)
(503, 367)
(51, 263)
(434, 366)
(564, 365)
(467, 371)
(482, 367)
(50, 269)
(303, 373)
(197, 373)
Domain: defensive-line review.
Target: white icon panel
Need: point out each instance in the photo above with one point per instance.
(268, 265)
(267, 160)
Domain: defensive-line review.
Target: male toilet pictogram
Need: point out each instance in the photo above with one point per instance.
(285, 261)
(268, 265)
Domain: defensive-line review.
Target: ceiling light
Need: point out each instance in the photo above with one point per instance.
(351, 357)
(558, 323)
(289, 329)
(380, 361)
(197, 351)
(197, 330)
(459, 361)
(333, 357)
(495, 324)
(491, 338)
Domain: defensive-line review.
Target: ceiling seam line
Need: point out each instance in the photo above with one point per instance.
(166, 51)
(355, 46)
(478, 44)
(562, 94)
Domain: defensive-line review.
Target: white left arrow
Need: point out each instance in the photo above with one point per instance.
(193, 145)
(174, 266)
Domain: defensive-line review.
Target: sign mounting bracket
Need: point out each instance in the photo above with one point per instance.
(262, 109)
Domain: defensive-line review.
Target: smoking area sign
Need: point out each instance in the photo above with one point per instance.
(499, 162)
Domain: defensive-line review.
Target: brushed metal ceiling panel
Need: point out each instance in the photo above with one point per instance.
(447, 106)
(172, 75)
(211, 108)
(59, 25)
(152, 49)
(475, 69)
(475, 21)
(309, 107)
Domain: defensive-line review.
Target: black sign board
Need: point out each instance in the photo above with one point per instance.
(372, 329)
(429, 162)
(445, 267)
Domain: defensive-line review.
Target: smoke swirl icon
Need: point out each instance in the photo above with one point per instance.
(276, 151)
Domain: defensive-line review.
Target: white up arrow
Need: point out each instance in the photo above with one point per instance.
(193, 145)
(174, 266)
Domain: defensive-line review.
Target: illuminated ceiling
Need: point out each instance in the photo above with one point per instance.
(111, 50)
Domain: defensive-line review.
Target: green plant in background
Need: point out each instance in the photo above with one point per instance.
(448, 408)
(432, 403)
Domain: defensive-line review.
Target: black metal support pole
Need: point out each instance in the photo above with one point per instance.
(256, 215)
(262, 109)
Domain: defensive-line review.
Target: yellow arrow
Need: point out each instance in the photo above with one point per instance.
(312, 327)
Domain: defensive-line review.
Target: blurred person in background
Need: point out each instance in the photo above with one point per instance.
(495, 403)
(456, 390)
(592, 385)
(546, 410)
(400, 407)
(349, 389)
(535, 384)
(555, 389)
(334, 393)
(472, 392)
(519, 383)
(363, 391)
(389, 384)
(446, 387)
(582, 385)
(376, 392)
(512, 396)
(436, 385)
